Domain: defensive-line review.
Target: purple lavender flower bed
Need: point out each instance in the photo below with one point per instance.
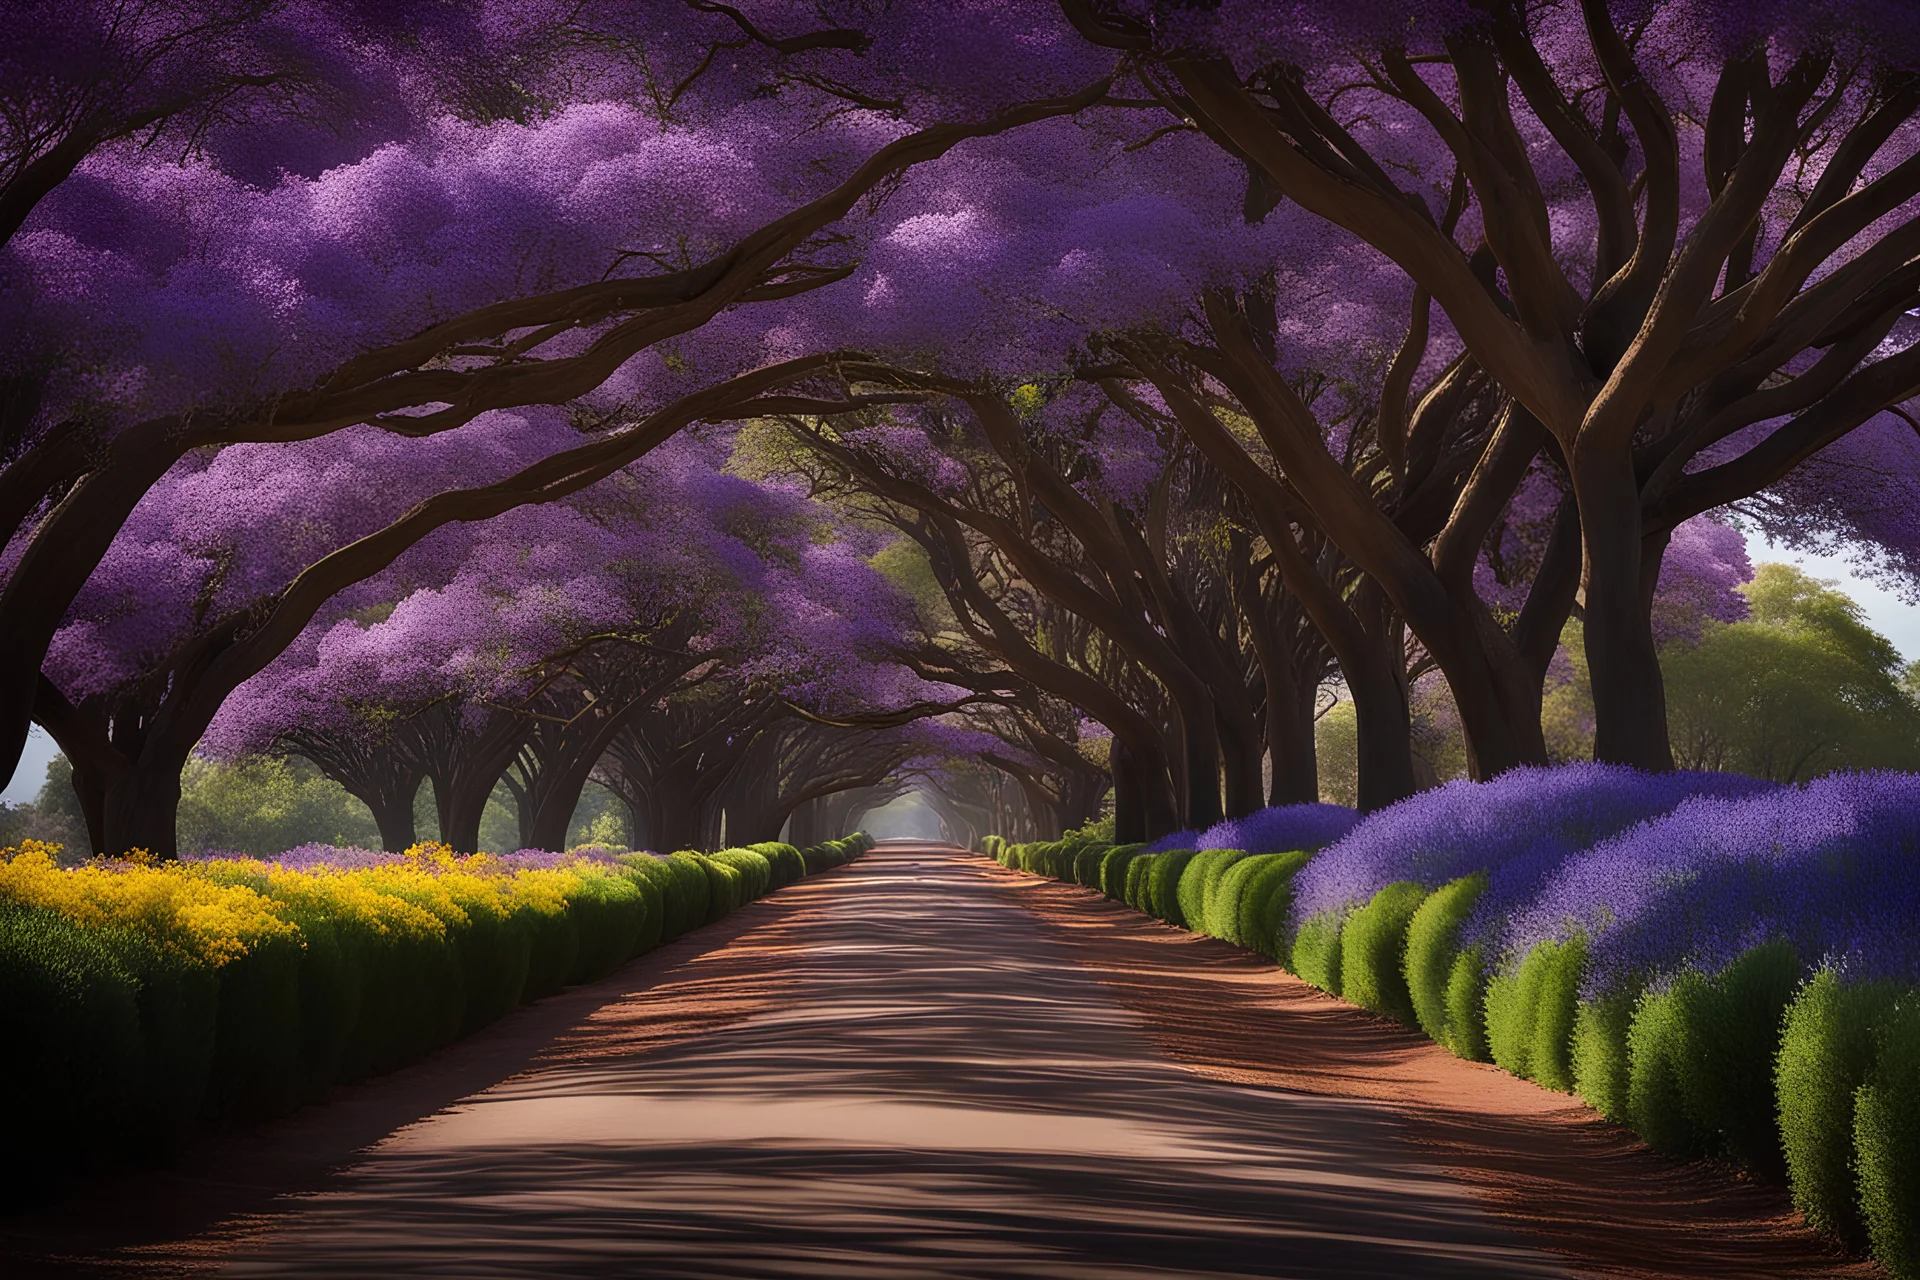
(1280, 829)
(1832, 867)
(1518, 829)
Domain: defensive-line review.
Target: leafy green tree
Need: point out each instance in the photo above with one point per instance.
(265, 806)
(1336, 745)
(1802, 687)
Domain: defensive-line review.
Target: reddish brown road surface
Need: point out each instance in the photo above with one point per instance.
(922, 1065)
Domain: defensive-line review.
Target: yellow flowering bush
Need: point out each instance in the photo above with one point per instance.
(211, 922)
(144, 997)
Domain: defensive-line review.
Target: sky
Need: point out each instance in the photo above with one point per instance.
(1886, 613)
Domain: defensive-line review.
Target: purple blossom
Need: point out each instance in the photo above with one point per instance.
(1832, 867)
(1280, 829)
(1517, 828)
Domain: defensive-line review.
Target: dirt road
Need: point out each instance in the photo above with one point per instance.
(923, 1065)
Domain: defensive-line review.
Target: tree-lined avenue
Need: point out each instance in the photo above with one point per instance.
(925, 1065)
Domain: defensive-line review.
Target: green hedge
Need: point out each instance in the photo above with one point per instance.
(1828, 1047)
(1373, 951)
(756, 872)
(126, 1043)
(1530, 1014)
(1813, 1081)
(1258, 894)
(1114, 864)
(1161, 885)
(1445, 984)
(787, 864)
(1200, 886)
(1887, 1143)
(835, 853)
(1316, 951)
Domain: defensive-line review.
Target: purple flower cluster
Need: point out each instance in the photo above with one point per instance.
(1518, 828)
(1280, 829)
(1832, 867)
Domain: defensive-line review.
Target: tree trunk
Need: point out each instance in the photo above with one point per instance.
(461, 805)
(1288, 722)
(1240, 752)
(1202, 766)
(142, 809)
(394, 816)
(1379, 703)
(1130, 821)
(387, 792)
(1629, 697)
(1290, 744)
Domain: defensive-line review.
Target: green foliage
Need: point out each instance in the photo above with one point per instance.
(675, 909)
(756, 872)
(1098, 829)
(1257, 893)
(74, 1059)
(1701, 1060)
(1139, 877)
(1373, 949)
(837, 853)
(1433, 955)
(617, 917)
(1200, 884)
(600, 819)
(54, 817)
(1336, 742)
(1114, 864)
(696, 889)
(1162, 890)
(1827, 1049)
(789, 867)
(1222, 919)
(1801, 688)
(1887, 1145)
(1316, 951)
(1730, 1081)
(1467, 1004)
(904, 563)
(1087, 861)
(1601, 1073)
(125, 1038)
(726, 887)
(1657, 1056)
(1530, 1014)
(264, 805)
(255, 1071)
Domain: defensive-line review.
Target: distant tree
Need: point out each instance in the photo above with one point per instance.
(1802, 687)
(1336, 741)
(266, 805)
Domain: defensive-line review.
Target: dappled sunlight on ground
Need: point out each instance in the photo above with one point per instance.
(1586, 1188)
(925, 1065)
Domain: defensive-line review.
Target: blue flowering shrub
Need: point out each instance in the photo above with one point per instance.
(1728, 966)
(1514, 831)
(1280, 829)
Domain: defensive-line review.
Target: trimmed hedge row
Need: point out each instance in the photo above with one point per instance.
(1228, 893)
(834, 853)
(1814, 1081)
(144, 1001)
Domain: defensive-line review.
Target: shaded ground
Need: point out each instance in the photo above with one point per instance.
(925, 1065)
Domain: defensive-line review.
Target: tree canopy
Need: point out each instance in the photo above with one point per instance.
(753, 410)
